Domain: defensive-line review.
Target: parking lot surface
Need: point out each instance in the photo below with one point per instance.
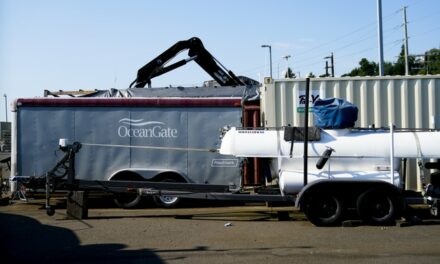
(221, 234)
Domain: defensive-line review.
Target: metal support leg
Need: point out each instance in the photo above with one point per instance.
(49, 209)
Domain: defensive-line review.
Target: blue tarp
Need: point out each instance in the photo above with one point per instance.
(334, 113)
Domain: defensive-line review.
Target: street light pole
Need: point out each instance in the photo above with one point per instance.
(405, 23)
(6, 106)
(380, 37)
(270, 57)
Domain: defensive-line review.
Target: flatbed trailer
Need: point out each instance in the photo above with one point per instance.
(79, 189)
(62, 175)
(323, 200)
(376, 199)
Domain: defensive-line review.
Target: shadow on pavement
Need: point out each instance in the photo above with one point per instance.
(25, 240)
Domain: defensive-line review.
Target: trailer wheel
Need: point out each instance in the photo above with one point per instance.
(50, 211)
(322, 209)
(166, 201)
(127, 200)
(376, 207)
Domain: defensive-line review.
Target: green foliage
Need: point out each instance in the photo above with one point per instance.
(289, 74)
(429, 63)
(420, 65)
(366, 68)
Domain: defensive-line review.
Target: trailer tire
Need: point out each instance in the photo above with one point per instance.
(166, 201)
(323, 209)
(376, 207)
(127, 200)
(50, 211)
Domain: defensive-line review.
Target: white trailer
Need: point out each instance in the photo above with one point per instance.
(330, 171)
(341, 169)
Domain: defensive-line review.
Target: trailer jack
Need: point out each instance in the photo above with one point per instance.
(67, 166)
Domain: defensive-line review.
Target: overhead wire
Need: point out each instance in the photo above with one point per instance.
(316, 47)
(393, 30)
(425, 32)
(365, 28)
(344, 48)
(369, 36)
(338, 39)
(369, 26)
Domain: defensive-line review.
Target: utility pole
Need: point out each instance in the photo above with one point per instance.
(426, 59)
(332, 65)
(270, 57)
(326, 68)
(6, 106)
(380, 37)
(406, 41)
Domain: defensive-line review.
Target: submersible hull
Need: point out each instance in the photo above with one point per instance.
(357, 155)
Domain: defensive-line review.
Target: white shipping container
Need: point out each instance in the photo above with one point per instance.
(405, 101)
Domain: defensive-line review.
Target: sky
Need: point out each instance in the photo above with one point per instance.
(100, 44)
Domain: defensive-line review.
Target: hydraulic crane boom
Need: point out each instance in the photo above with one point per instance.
(196, 52)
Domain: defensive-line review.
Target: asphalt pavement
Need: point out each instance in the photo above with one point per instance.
(220, 234)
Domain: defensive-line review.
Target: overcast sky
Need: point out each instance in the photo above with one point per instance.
(100, 44)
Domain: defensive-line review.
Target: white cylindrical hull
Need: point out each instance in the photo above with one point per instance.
(359, 155)
(346, 143)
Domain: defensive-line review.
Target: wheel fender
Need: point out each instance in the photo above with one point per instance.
(147, 174)
(306, 189)
(344, 184)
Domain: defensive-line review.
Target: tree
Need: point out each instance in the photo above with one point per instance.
(366, 68)
(289, 74)
(428, 64)
(399, 67)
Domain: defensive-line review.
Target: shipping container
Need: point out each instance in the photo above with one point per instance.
(405, 101)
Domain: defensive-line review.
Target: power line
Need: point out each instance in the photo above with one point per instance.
(316, 62)
(367, 27)
(338, 39)
(418, 19)
(309, 64)
(242, 72)
(357, 52)
(343, 47)
(355, 42)
(395, 42)
(329, 42)
(425, 32)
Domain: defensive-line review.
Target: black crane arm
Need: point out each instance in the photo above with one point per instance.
(196, 52)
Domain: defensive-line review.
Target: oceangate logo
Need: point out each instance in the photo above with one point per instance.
(139, 128)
